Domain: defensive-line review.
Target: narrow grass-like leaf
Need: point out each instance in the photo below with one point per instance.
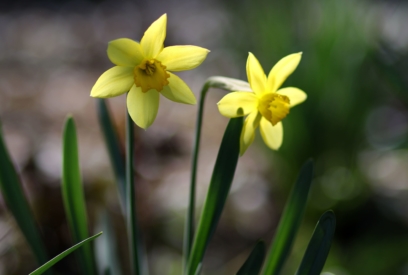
(225, 83)
(106, 247)
(114, 148)
(253, 264)
(59, 257)
(290, 221)
(16, 201)
(73, 197)
(198, 270)
(132, 226)
(220, 184)
(319, 246)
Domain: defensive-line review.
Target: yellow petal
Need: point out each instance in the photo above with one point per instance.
(295, 95)
(237, 104)
(153, 38)
(142, 107)
(178, 91)
(272, 135)
(256, 75)
(113, 82)
(181, 58)
(248, 131)
(282, 70)
(125, 52)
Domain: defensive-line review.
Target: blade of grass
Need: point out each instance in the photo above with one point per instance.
(73, 197)
(253, 264)
(225, 83)
(16, 201)
(198, 270)
(106, 247)
(290, 221)
(133, 230)
(319, 246)
(59, 257)
(114, 148)
(218, 191)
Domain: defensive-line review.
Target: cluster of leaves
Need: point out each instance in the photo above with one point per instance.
(196, 241)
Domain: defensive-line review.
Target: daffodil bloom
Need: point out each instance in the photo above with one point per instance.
(266, 105)
(143, 70)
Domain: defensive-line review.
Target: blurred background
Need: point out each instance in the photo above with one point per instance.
(354, 124)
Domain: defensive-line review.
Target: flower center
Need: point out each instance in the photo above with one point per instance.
(274, 107)
(150, 74)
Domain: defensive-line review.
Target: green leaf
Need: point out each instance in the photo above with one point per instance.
(319, 246)
(220, 184)
(106, 247)
(198, 270)
(17, 203)
(114, 148)
(253, 264)
(229, 84)
(73, 197)
(59, 257)
(290, 221)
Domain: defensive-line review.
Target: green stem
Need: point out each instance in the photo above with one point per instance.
(225, 83)
(130, 200)
(189, 226)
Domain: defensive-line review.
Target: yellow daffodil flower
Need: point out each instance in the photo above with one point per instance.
(265, 106)
(143, 70)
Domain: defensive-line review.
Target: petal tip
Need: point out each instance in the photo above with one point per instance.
(94, 93)
(163, 17)
(143, 125)
(242, 150)
(299, 54)
(191, 102)
(277, 148)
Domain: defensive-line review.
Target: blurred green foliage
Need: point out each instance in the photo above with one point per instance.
(349, 72)
(355, 72)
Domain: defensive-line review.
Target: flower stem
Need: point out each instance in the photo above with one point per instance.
(189, 226)
(227, 84)
(130, 201)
